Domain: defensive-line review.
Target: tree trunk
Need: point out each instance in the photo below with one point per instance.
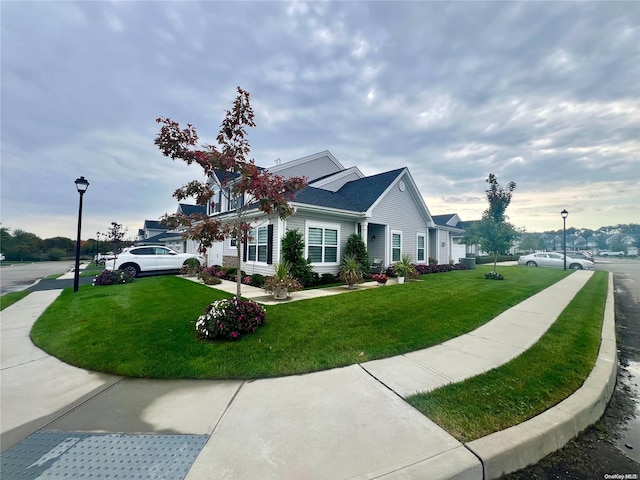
(239, 271)
(495, 262)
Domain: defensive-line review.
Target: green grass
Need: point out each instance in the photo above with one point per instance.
(91, 270)
(12, 297)
(541, 377)
(146, 328)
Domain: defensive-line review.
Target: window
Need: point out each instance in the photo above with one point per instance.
(322, 244)
(236, 202)
(396, 246)
(420, 254)
(257, 244)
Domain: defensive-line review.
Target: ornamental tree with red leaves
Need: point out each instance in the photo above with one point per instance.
(250, 188)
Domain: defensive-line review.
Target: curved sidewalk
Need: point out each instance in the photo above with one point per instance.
(343, 423)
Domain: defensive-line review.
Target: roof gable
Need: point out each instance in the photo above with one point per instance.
(356, 195)
(335, 181)
(447, 220)
(313, 167)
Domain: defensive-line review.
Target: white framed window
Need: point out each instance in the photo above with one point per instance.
(396, 245)
(421, 252)
(257, 244)
(322, 243)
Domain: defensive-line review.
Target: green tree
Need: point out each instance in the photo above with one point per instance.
(27, 245)
(244, 184)
(292, 249)
(529, 243)
(115, 235)
(493, 233)
(357, 249)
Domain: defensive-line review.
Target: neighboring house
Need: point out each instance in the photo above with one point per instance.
(386, 210)
(150, 229)
(452, 226)
(155, 233)
(550, 242)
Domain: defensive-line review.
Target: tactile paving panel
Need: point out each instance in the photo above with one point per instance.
(51, 454)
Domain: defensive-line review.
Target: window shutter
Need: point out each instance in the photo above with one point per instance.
(270, 244)
(244, 250)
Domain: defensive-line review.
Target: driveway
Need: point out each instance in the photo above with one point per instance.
(17, 277)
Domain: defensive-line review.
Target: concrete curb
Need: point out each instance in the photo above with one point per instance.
(525, 444)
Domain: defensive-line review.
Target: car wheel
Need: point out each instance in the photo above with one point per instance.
(575, 266)
(131, 269)
(531, 263)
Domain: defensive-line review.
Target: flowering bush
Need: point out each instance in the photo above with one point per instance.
(289, 283)
(380, 278)
(112, 277)
(437, 268)
(493, 276)
(230, 318)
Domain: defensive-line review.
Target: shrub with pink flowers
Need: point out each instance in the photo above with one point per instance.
(230, 318)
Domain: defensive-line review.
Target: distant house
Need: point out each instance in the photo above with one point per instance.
(386, 210)
(456, 229)
(155, 233)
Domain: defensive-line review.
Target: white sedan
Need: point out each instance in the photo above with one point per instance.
(554, 260)
(150, 258)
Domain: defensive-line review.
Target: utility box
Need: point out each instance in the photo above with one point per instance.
(469, 262)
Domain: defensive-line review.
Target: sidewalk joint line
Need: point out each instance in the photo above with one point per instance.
(227, 408)
(76, 407)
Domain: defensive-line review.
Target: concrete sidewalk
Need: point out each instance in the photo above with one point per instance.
(343, 423)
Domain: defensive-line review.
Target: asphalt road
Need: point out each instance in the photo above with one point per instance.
(20, 276)
(610, 448)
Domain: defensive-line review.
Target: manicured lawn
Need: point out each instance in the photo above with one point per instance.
(91, 270)
(146, 328)
(12, 297)
(541, 377)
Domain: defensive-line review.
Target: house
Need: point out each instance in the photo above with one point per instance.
(386, 210)
(155, 233)
(453, 226)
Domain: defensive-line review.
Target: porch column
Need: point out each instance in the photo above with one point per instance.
(364, 227)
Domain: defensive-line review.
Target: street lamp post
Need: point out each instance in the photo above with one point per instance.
(81, 184)
(97, 247)
(564, 214)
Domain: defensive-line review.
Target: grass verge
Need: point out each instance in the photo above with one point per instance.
(91, 270)
(12, 297)
(541, 377)
(146, 328)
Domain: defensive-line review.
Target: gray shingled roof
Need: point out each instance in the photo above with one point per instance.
(191, 209)
(442, 220)
(154, 225)
(357, 195)
(160, 238)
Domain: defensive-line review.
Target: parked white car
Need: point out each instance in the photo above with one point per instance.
(554, 260)
(607, 253)
(150, 258)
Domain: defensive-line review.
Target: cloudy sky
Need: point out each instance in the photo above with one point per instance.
(546, 94)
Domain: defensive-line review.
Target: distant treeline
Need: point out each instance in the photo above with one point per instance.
(24, 246)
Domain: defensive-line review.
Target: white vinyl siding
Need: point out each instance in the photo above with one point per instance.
(396, 246)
